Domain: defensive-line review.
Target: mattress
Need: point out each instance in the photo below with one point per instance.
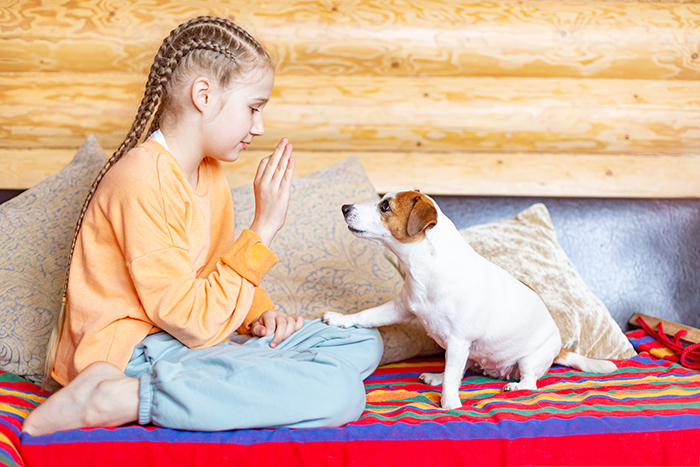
(646, 413)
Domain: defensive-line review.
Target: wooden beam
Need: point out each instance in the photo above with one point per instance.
(513, 174)
(670, 328)
(387, 114)
(581, 39)
(23, 168)
(507, 174)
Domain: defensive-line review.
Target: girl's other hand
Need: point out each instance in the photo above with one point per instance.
(272, 184)
(277, 322)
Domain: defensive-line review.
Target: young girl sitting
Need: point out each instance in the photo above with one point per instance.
(158, 281)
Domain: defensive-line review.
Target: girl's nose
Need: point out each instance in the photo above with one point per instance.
(258, 128)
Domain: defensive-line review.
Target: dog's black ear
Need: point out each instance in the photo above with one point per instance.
(423, 216)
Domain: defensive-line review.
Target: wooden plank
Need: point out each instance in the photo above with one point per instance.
(508, 174)
(60, 110)
(670, 328)
(585, 39)
(23, 168)
(514, 174)
(387, 114)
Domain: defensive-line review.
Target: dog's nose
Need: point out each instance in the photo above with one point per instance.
(346, 208)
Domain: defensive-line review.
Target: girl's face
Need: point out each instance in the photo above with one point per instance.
(232, 129)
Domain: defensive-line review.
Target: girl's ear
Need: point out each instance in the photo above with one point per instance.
(201, 93)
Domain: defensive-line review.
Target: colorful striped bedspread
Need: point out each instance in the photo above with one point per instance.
(647, 413)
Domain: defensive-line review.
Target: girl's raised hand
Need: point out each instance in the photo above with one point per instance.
(272, 184)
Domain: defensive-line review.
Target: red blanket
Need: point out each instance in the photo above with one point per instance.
(647, 413)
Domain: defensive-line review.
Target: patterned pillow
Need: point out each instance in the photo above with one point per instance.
(323, 266)
(36, 229)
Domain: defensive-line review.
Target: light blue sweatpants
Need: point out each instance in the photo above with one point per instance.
(311, 379)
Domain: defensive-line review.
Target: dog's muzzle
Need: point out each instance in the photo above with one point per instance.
(348, 211)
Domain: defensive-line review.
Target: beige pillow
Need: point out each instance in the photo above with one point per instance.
(526, 246)
(36, 229)
(323, 266)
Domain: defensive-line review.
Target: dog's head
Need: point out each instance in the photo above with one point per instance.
(401, 217)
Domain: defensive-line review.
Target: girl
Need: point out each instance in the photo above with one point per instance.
(158, 281)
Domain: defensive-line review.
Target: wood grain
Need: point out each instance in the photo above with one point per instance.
(387, 114)
(582, 39)
(519, 174)
(21, 169)
(571, 98)
(57, 110)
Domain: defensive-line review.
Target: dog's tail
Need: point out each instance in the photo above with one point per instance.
(590, 365)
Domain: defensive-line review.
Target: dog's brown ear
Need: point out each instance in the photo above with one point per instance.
(423, 216)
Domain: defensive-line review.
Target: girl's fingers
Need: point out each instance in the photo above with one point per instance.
(281, 332)
(289, 173)
(282, 166)
(261, 169)
(270, 323)
(258, 329)
(274, 159)
(286, 326)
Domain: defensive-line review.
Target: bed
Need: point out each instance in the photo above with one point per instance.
(647, 413)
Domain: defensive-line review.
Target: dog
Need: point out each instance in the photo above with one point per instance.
(484, 318)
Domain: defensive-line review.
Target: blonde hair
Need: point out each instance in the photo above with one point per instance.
(204, 44)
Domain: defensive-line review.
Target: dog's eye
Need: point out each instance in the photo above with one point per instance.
(385, 206)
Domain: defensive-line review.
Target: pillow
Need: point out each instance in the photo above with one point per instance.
(36, 229)
(323, 266)
(526, 246)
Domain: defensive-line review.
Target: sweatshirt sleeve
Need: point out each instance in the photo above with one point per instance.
(249, 260)
(203, 311)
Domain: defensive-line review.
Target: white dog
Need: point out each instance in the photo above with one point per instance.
(482, 316)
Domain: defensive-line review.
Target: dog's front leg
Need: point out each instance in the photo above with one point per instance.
(456, 356)
(382, 315)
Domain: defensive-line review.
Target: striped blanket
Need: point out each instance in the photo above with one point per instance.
(647, 413)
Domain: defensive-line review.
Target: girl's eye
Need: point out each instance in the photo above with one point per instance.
(385, 206)
(253, 109)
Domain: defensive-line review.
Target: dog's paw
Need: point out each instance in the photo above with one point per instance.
(510, 387)
(518, 387)
(433, 379)
(450, 403)
(336, 319)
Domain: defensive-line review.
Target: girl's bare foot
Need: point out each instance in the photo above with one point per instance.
(101, 395)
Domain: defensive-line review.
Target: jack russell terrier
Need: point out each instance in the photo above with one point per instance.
(483, 317)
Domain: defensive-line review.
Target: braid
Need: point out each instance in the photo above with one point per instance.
(181, 42)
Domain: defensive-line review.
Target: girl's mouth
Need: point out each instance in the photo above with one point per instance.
(244, 145)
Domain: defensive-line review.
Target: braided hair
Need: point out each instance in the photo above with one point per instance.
(205, 43)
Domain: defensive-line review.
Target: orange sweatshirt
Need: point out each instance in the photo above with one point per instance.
(154, 254)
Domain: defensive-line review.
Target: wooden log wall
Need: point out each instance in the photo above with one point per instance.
(561, 98)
